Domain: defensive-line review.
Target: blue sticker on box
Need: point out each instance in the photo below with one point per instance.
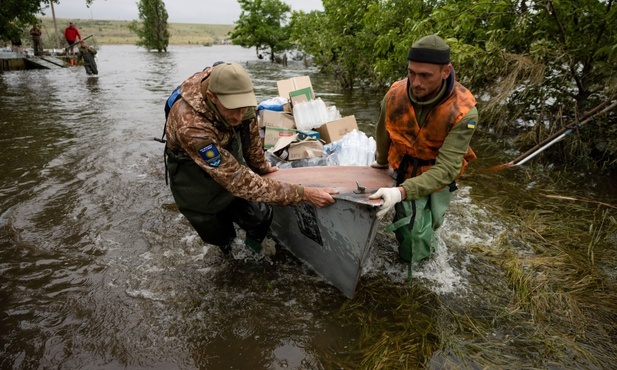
(211, 155)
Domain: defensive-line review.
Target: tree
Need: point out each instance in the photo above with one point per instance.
(16, 16)
(534, 61)
(338, 40)
(262, 24)
(152, 31)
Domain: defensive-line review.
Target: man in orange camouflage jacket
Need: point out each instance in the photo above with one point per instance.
(215, 159)
(426, 123)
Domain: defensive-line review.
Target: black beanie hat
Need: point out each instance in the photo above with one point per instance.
(430, 49)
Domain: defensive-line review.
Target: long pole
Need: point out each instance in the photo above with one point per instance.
(559, 135)
(53, 14)
(84, 39)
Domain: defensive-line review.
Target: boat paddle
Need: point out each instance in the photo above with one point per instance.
(559, 135)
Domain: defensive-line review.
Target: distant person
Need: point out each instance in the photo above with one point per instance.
(37, 43)
(16, 46)
(71, 34)
(215, 160)
(87, 53)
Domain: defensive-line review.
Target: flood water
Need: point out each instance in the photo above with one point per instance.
(98, 269)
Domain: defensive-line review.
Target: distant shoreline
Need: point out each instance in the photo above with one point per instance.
(117, 32)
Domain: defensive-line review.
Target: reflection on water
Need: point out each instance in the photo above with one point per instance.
(98, 269)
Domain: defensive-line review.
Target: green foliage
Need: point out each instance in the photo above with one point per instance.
(337, 39)
(17, 16)
(152, 31)
(543, 62)
(306, 35)
(262, 24)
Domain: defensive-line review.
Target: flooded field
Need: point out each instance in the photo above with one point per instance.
(99, 270)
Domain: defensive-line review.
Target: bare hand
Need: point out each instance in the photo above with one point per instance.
(319, 197)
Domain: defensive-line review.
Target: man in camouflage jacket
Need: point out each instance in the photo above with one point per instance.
(215, 159)
(87, 53)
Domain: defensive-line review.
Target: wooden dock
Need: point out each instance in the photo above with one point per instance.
(45, 62)
(11, 61)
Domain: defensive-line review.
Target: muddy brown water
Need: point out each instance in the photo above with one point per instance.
(98, 270)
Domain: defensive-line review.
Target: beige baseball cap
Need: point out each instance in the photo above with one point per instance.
(232, 86)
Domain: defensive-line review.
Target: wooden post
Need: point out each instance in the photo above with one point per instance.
(53, 14)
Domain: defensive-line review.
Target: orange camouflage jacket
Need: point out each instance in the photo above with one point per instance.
(423, 142)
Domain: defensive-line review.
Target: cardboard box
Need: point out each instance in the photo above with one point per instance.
(309, 148)
(304, 94)
(273, 134)
(335, 130)
(270, 118)
(290, 148)
(285, 87)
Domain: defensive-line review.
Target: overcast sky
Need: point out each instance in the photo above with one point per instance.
(180, 11)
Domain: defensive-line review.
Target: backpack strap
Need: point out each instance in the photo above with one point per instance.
(173, 97)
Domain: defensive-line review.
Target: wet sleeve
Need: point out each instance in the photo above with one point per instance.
(449, 160)
(382, 138)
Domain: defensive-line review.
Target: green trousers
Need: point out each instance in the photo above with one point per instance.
(210, 208)
(417, 241)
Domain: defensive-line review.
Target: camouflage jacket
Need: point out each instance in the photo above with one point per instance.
(192, 126)
(86, 53)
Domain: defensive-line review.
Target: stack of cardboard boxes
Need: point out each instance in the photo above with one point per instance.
(279, 128)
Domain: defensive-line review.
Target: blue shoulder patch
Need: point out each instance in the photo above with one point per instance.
(211, 155)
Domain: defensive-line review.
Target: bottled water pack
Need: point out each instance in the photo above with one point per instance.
(354, 149)
(313, 113)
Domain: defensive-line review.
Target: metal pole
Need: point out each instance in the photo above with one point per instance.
(53, 14)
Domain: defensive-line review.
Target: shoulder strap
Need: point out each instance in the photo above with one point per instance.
(173, 97)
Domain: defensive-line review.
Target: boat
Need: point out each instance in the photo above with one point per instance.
(333, 241)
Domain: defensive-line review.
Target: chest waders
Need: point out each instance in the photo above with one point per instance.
(415, 221)
(210, 208)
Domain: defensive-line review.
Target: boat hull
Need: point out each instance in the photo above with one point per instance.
(336, 240)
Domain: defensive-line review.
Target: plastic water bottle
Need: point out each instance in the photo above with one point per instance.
(370, 153)
(354, 147)
(333, 113)
(300, 116)
(313, 114)
(361, 155)
(322, 112)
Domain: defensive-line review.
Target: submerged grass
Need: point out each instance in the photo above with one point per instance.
(397, 328)
(542, 295)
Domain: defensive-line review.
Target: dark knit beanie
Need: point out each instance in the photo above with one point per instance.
(430, 49)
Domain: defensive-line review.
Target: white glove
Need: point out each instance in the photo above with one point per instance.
(377, 165)
(390, 196)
